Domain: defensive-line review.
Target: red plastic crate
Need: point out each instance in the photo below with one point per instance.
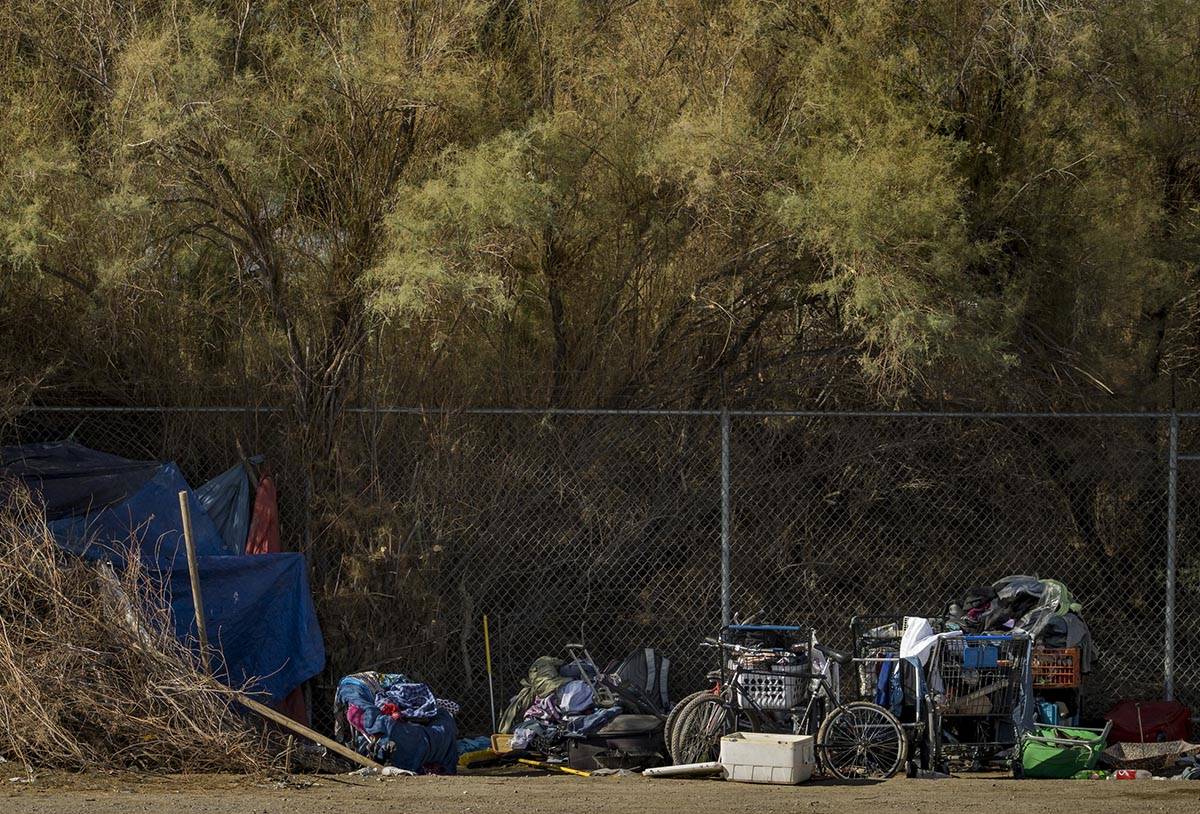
(1056, 668)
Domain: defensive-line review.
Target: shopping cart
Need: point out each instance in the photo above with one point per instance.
(976, 690)
(876, 641)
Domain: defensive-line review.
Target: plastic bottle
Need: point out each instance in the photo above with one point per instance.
(1132, 774)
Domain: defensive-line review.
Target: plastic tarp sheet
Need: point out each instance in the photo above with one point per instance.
(260, 619)
(226, 501)
(258, 609)
(72, 479)
(148, 518)
(263, 537)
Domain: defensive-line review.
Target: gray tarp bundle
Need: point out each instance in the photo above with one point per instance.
(226, 500)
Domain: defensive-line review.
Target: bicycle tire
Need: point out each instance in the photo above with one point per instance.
(672, 717)
(861, 740)
(682, 709)
(675, 724)
(699, 729)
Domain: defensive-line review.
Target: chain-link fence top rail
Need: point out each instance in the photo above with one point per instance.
(605, 527)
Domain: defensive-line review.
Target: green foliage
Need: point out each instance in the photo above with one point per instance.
(459, 233)
(843, 202)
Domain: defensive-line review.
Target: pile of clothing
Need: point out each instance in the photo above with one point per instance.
(1043, 608)
(557, 700)
(396, 721)
(560, 700)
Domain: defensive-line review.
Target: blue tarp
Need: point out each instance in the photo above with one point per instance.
(259, 614)
(258, 609)
(149, 516)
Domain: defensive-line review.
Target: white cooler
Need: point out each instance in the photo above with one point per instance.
(756, 757)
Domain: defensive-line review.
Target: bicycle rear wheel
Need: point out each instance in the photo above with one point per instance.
(699, 728)
(673, 716)
(861, 740)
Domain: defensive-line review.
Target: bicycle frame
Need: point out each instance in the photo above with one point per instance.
(785, 683)
(815, 686)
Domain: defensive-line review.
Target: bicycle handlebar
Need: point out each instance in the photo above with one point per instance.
(742, 649)
(737, 649)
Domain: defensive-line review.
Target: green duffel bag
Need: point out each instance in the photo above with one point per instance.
(1058, 752)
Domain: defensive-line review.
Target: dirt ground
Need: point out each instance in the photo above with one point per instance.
(104, 794)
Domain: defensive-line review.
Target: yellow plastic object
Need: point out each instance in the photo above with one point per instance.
(554, 767)
(466, 759)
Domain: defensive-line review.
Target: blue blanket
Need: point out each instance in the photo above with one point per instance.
(415, 746)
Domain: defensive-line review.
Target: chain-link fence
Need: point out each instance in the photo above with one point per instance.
(627, 529)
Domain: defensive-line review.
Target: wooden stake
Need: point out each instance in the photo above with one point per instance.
(487, 651)
(185, 512)
(304, 731)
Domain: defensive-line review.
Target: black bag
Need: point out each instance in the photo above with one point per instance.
(645, 674)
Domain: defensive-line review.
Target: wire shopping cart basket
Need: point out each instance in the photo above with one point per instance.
(976, 688)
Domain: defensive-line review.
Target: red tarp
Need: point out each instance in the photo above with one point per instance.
(1149, 721)
(264, 523)
(264, 539)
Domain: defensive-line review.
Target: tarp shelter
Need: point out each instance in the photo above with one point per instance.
(258, 609)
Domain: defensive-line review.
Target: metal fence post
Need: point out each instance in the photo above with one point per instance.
(726, 601)
(1172, 481)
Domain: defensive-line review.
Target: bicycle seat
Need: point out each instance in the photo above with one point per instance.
(836, 655)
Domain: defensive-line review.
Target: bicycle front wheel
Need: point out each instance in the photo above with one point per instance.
(861, 740)
(699, 729)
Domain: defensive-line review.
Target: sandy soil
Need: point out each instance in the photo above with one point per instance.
(104, 794)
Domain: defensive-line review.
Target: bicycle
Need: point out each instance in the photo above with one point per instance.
(782, 682)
